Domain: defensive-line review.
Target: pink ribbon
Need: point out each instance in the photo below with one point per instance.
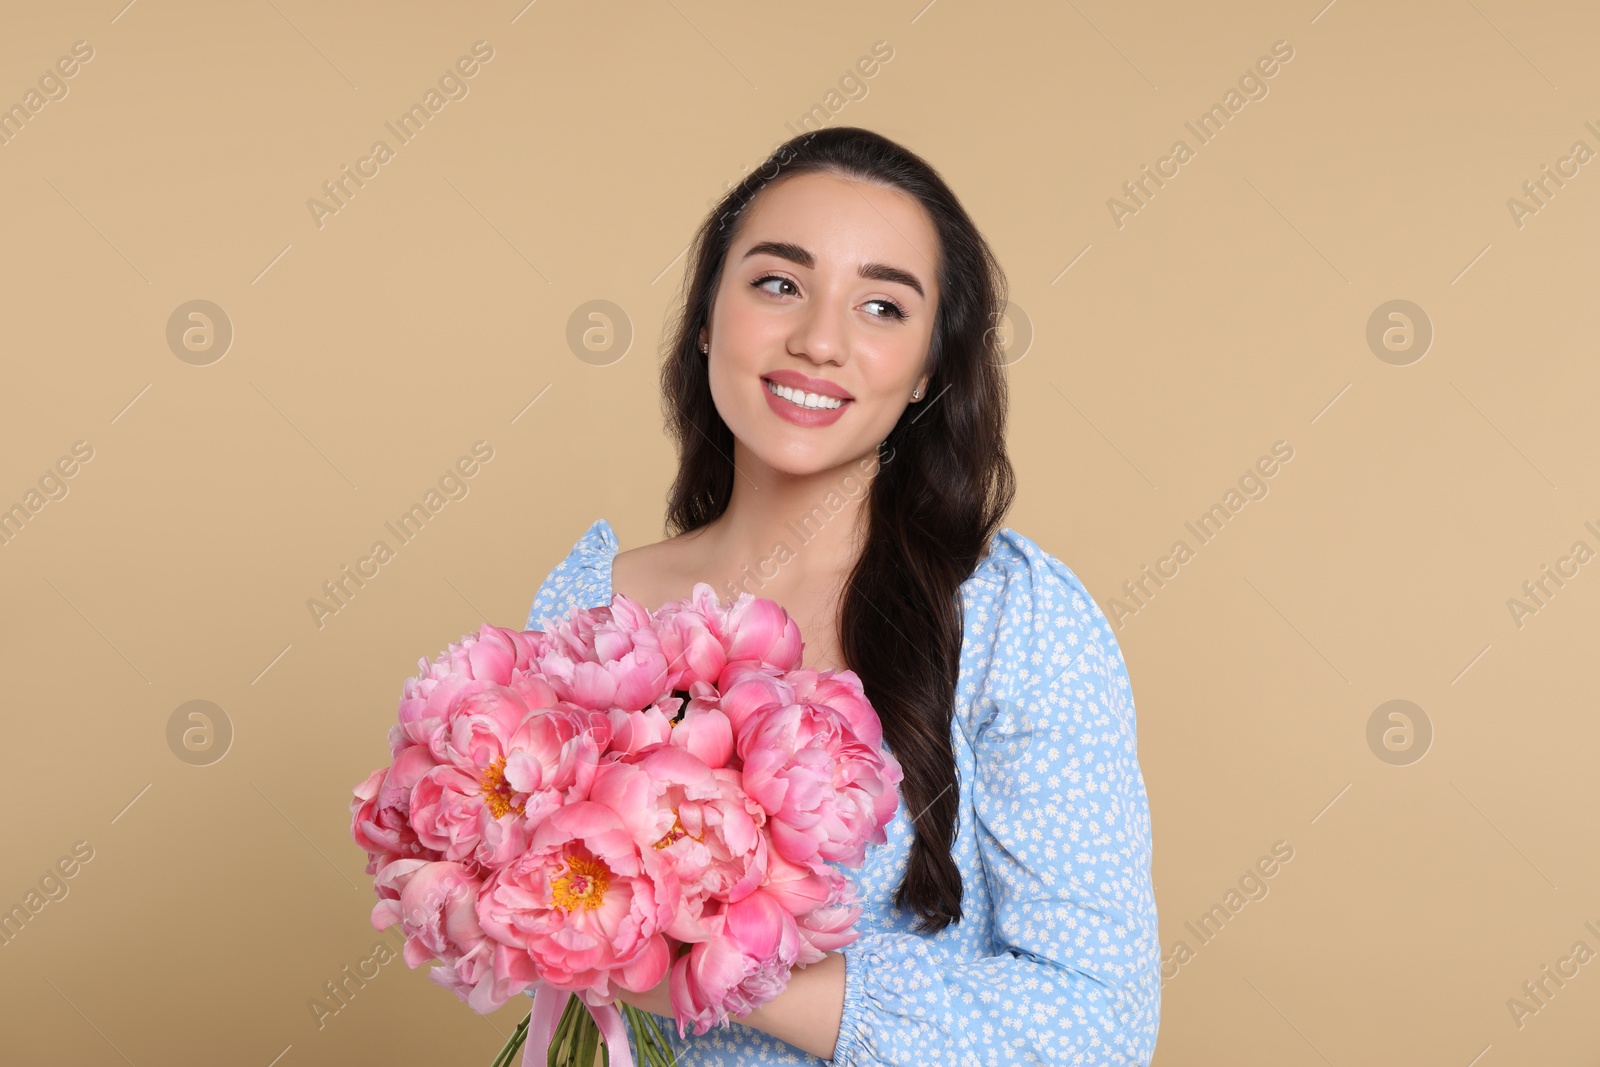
(548, 1004)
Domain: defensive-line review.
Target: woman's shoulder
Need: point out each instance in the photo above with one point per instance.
(581, 580)
(1021, 573)
(1043, 615)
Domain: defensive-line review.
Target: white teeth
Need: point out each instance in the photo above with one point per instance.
(805, 400)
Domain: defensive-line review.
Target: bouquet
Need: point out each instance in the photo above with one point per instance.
(624, 797)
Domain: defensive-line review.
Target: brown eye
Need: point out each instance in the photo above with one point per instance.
(763, 280)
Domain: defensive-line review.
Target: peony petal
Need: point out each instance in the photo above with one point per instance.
(756, 924)
(649, 967)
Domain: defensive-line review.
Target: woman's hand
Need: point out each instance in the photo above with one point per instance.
(806, 1014)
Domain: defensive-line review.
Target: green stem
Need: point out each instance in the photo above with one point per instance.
(577, 1041)
(508, 1051)
(563, 1044)
(588, 1041)
(651, 1045)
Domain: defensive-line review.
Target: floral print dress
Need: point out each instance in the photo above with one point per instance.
(1057, 958)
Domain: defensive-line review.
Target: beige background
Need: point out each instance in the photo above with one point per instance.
(1230, 312)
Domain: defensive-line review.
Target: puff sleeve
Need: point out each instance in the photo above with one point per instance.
(1062, 828)
(582, 579)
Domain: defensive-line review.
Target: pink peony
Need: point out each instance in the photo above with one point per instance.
(554, 756)
(585, 903)
(502, 767)
(475, 662)
(761, 632)
(691, 638)
(633, 732)
(841, 692)
(825, 930)
(698, 820)
(823, 900)
(720, 848)
(747, 691)
(380, 811)
(826, 793)
(646, 794)
(746, 963)
(704, 728)
(605, 658)
(437, 909)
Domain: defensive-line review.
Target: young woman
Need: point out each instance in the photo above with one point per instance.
(835, 389)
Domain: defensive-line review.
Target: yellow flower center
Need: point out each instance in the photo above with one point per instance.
(497, 792)
(676, 834)
(582, 885)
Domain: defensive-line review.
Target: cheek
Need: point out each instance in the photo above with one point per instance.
(736, 392)
(880, 419)
(723, 393)
(891, 366)
(746, 329)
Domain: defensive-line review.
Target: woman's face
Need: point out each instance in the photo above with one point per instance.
(821, 286)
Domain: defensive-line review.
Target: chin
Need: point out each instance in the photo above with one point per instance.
(800, 460)
(797, 462)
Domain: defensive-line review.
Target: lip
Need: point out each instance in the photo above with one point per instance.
(798, 415)
(795, 380)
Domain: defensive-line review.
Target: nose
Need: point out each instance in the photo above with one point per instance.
(820, 334)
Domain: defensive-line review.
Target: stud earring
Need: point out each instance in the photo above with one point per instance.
(705, 346)
(916, 394)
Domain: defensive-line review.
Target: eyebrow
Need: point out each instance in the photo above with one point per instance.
(795, 254)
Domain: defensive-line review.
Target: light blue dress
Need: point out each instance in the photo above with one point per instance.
(1057, 958)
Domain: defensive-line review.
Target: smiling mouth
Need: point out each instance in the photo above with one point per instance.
(802, 399)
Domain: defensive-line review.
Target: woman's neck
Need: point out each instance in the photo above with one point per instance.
(810, 526)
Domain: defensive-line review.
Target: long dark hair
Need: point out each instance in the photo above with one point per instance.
(940, 490)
